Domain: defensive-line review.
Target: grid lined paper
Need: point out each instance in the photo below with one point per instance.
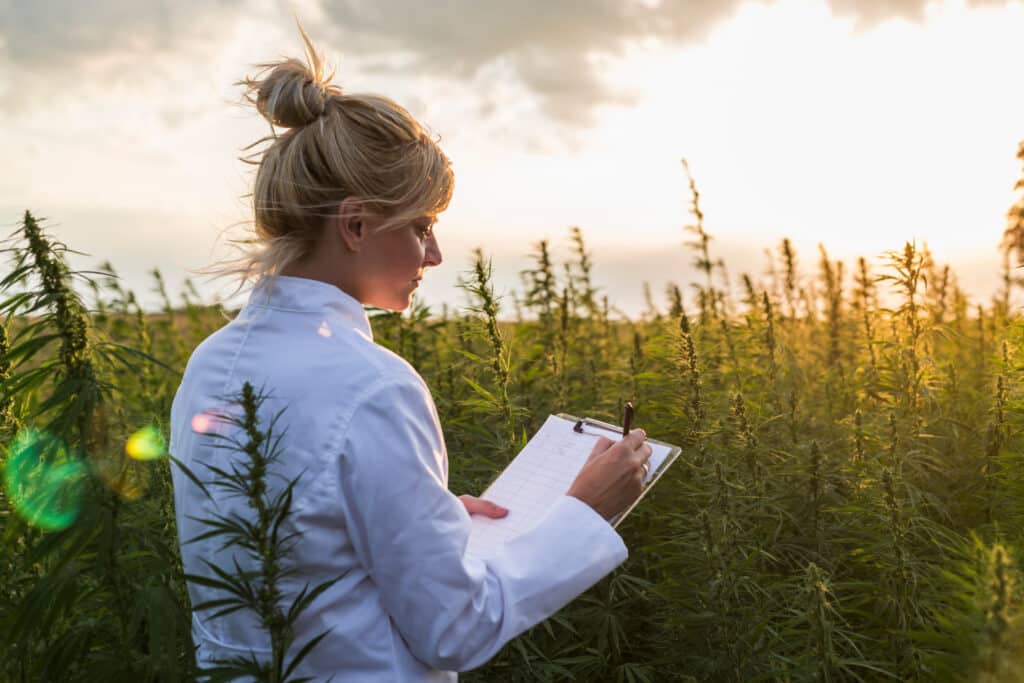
(535, 480)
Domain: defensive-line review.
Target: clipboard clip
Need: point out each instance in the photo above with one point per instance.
(578, 427)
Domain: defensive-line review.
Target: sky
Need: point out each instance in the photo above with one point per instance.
(857, 125)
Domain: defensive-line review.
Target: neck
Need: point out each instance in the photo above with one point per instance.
(325, 266)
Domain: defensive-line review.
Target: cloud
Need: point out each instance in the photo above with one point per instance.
(50, 35)
(551, 48)
(871, 12)
(54, 48)
(553, 51)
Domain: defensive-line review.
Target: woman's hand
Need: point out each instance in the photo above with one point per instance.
(479, 506)
(613, 475)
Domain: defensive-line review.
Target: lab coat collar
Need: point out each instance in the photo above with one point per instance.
(285, 292)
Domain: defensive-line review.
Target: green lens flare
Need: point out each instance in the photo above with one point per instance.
(43, 480)
(146, 444)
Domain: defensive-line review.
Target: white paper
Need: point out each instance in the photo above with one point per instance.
(536, 478)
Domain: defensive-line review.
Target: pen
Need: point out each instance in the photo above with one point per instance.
(627, 418)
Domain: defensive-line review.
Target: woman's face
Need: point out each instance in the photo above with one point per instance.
(393, 262)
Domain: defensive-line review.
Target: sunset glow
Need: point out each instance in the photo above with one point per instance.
(798, 119)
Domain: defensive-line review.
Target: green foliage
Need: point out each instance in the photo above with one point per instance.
(848, 504)
(100, 596)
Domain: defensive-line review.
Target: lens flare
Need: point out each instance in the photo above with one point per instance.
(213, 420)
(202, 423)
(43, 480)
(146, 444)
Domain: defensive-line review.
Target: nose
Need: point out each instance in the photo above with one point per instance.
(432, 255)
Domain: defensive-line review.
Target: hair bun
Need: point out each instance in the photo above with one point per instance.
(290, 96)
(293, 94)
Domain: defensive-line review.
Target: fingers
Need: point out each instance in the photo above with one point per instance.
(602, 444)
(640, 450)
(641, 461)
(492, 510)
(632, 449)
(479, 506)
(635, 438)
(646, 451)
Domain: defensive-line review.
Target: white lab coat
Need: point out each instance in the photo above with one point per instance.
(361, 432)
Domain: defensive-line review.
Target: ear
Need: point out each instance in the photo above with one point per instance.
(350, 223)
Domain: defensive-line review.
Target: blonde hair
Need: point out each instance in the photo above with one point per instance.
(337, 145)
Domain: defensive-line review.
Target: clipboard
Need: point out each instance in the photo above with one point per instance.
(543, 471)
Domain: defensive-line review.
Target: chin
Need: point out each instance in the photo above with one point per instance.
(395, 306)
(392, 301)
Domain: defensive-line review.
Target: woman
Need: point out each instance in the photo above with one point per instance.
(344, 202)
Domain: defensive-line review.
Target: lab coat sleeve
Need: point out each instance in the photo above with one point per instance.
(453, 610)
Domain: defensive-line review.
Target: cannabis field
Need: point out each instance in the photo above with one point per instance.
(848, 504)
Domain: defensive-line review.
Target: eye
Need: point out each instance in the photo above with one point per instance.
(425, 229)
